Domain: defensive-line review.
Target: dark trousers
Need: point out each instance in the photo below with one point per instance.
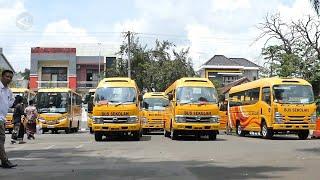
(19, 131)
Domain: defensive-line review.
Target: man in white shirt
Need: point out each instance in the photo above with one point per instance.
(6, 101)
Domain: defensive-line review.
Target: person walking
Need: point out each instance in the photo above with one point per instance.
(19, 128)
(6, 99)
(31, 115)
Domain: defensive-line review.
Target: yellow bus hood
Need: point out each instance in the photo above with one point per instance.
(113, 110)
(296, 109)
(197, 110)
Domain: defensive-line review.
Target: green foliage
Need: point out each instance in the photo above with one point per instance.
(155, 68)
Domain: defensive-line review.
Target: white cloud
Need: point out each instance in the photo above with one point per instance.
(230, 5)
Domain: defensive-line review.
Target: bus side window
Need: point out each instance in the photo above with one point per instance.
(266, 95)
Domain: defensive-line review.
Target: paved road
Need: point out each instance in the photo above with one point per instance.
(78, 156)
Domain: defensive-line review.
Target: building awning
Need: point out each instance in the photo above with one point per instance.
(230, 73)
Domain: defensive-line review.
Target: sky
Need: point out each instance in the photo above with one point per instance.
(207, 27)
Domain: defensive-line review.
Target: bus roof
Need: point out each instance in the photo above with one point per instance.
(268, 82)
(55, 90)
(154, 95)
(189, 81)
(117, 82)
(21, 90)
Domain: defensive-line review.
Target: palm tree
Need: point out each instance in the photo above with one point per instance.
(316, 5)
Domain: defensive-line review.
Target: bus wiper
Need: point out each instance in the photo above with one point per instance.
(120, 103)
(188, 102)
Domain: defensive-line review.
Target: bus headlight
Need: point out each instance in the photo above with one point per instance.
(97, 120)
(132, 119)
(215, 119)
(180, 119)
(278, 117)
(314, 118)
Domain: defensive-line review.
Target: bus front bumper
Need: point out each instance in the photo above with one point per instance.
(294, 126)
(152, 126)
(116, 127)
(196, 126)
(61, 125)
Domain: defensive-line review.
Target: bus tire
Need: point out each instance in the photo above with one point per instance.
(67, 130)
(303, 135)
(166, 133)
(144, 131)
(98, 136)
(91, 131)
(76, 129)
(239, 130)
(265, 131)
(213, 136)
(136, 136)
(174, 135)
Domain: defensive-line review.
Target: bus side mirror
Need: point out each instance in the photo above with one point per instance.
(170, 97)
(90, 106)
(140, 98)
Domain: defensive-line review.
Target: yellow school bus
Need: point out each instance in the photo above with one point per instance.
(153, 111)
(27, 95)
(88, 100)
(59, 109)
(116, 109)
(193, 108)
(273, 106)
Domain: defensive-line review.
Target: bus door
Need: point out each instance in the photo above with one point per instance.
(266, 111)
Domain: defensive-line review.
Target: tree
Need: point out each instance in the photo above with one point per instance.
(315, 4)
(155, 68)
(295, 51)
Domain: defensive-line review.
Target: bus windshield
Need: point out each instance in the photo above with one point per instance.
(52, 102)
(196, 95)
(155, 104)
(115, 95)
(293, 94)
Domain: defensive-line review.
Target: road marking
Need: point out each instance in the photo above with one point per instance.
(49, 147)
(80, 146)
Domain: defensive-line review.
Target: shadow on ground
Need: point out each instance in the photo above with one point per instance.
(311, 150)
(81, 164)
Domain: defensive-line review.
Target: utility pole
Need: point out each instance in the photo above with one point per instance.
(99, 61)
(129, 58)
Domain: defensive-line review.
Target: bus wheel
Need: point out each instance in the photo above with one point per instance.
(98, 136)
(67, 130)
(166, 133)
(228, 129)
(174, 135)
(239, 130)
(136, 136)
(91, 131)
(213, 136)
(265, 132)
(144, 131)
(303, 134)
(76, 129)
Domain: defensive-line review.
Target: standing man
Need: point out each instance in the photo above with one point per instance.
(6, 99)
